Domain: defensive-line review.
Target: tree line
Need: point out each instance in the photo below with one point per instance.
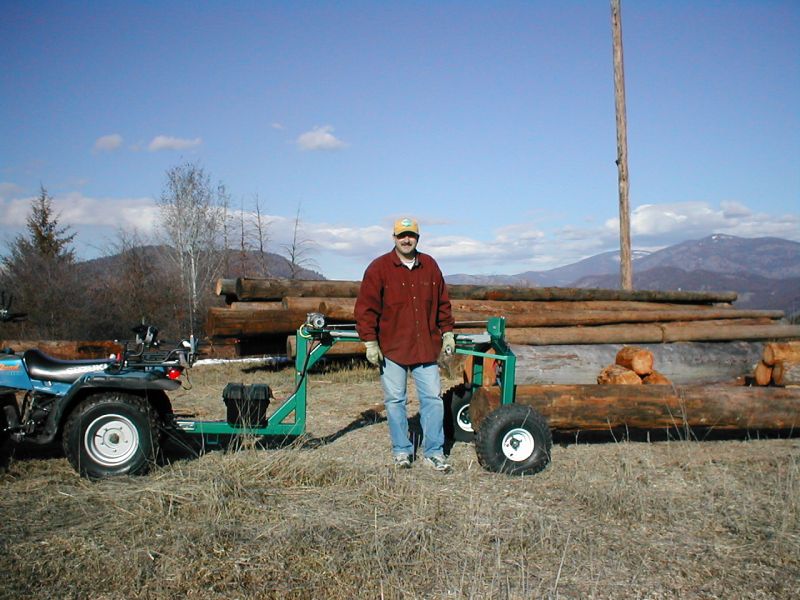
(167, 280)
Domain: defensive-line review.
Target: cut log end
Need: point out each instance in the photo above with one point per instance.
(639, 360)
(618, 375)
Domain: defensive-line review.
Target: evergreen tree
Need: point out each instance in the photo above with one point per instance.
(39, 270)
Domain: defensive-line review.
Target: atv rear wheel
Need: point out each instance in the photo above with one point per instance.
(112, 433)
(514, 439)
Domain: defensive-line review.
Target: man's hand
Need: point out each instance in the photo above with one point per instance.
(449, 343)
(374, 354)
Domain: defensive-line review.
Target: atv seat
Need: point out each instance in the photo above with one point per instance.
(44, 367)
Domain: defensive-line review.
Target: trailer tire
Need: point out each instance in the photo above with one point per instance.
(457, 422)
(112, 433)
(514, 439)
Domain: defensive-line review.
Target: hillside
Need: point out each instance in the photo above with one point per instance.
(239, 264)
(764, 271)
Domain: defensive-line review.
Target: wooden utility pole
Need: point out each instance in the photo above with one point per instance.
(626, 275)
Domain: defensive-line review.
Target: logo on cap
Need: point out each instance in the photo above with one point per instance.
(406, 225)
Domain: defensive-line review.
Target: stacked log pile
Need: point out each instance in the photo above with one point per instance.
(779, 364)
(563, 337)
(535, 317)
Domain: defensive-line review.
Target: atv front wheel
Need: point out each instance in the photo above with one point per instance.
(6, 444)
(112, 433)
(514, 439)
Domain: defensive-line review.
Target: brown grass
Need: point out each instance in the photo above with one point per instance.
(670, 519)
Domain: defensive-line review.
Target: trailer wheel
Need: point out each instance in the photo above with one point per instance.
(458, 425)
(514, 439)
(111, 433)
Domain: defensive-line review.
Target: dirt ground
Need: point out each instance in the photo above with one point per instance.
(328, 517)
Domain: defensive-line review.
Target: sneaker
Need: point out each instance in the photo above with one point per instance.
(438, 463)
(402, 461)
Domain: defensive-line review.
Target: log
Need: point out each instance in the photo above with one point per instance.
(257, 306)
(786, 372)
(643, 333)
(557, 318)
(525, 306)
(333, 308)
(618, 375)
(639, 360)
(779, 351)
(762, 374)
(275, 289)
(656, 378)
(598, 334)
(558, 293)
(223, 322)
(603, 407)
(728, 329)
(66, 349)
(682, 362)
(225, 287)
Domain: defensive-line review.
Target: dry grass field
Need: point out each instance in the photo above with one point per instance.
(328, 517)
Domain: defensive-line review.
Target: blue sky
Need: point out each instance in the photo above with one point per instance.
(490, 122)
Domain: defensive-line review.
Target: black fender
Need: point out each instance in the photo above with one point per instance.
(150, 385)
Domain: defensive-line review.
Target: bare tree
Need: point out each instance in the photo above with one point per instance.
(262, 238)
(193, 217)
(299, 252)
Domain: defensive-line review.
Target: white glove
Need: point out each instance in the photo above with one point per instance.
(449, 342)
(374, 354)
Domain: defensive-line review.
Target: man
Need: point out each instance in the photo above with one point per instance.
(404, 317)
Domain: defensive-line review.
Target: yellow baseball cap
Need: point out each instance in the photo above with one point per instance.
(404, 225)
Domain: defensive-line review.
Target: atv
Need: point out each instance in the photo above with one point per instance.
(109, 415)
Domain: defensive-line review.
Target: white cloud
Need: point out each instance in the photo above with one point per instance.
(165, 142)
(108, 143)
(278, 126)
(320, 138)
(77, 211)
(670, 223)
(7, 190)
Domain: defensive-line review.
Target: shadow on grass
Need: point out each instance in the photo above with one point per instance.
(179, 445)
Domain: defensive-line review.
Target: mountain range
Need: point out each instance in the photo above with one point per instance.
(764, 271)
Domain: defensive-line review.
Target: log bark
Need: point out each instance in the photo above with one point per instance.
(618, 375)
(786, 373)
(778, 351)
(682, 362)
(275, 289)
(602, 407)
(639, 360)
(762, 374)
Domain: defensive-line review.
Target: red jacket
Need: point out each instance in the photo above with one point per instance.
(405, 310)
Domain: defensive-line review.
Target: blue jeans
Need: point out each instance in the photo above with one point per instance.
(431, 409)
